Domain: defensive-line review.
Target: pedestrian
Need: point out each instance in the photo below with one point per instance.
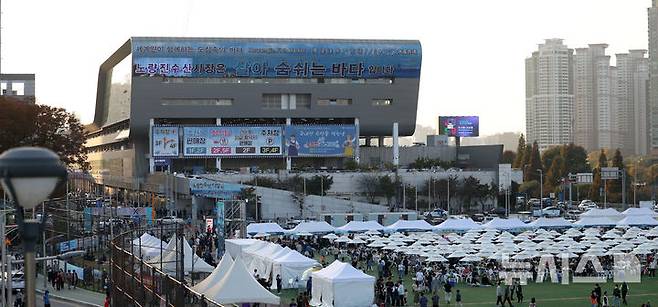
(74, 276)
(447, 288)
(423, 300)
(278, 283)
(597, 291)
(507, 297)
(499, 295)
(533, 303)
(401, 294)
(46, 299)
(309, 285)
(604, 299)
(458, 298)
(616, 296)
(624, 293)
(519, 294)
(435, 299)
(593, 299)
(107, 301)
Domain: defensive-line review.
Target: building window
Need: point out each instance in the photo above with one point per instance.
(334, 102)
(286, 101)
(197, 102)
(382, 102)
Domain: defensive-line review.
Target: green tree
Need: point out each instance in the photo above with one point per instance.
(520, 150)
(469, 190)
(525, 165)
(508, 157)
(554, 174)
(319, 184)
(27, 124)
(535, 163)
(615, 186)
(595, 190)
(549, 154)
(575, 159)
(387, 188)
(369, 186)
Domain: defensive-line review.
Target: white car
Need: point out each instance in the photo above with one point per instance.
(586, 205)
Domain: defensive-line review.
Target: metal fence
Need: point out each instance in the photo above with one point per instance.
(134, 282)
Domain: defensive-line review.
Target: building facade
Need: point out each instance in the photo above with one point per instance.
(19, 86)
(228, 103)
(653, 75)
(632, 79)
(549, 94)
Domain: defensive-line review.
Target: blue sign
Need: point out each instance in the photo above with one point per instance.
(459, 126)
(232, 141)
(68, 246)
(321, 140)
(275, 58)
(214, 189)
(88, 219)
(219, 225)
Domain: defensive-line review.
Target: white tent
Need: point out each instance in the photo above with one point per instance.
(235, 246)
(638, 220)
(595, 221)
(341, 285)
(216, 276)
(465, 224)
(238, 286)
(260, 260)
(358, 226)
(505, 224)
(269, 228)
(544, 222)
(150, 246)
(291, 267)
(190, 261)
(409, 225)
(640, 211)
(313, 227)
(608, 212)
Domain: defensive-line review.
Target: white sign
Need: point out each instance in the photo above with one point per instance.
(584, 177)
(209, 223)
(609, 173)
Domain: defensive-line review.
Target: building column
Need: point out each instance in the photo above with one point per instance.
(150, 154)
(218, 161)
(357, 154)
(288, 159)
(380, 141)
(396, 147)
(368, 140)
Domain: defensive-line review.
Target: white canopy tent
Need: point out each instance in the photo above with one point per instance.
(544, 222)
(238, 286)
(638, 220)
(608, 212)
(341, 285)
(191, 262)
(150, 246)
(465, 224)
(505, 224)
(312, 227)
(268, 228)
(235, 247)
(260, 260)
(409, 225)
(291, 267)
(639, 211)
(216, 276)
(358, 226)
(595, 221)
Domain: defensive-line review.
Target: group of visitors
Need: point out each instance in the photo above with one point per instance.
(58, 277)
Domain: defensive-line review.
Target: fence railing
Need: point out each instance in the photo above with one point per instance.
(135, 282)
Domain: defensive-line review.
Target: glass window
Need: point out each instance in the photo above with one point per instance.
(271, 101)
(334, 102)
(197, 102)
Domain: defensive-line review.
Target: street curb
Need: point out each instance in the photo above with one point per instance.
(70, 300)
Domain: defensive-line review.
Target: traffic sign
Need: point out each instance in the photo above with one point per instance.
(609, 173)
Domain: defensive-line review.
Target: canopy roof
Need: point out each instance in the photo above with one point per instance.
(341, 272)
(638, 220)
(458, 225)
(358, 226)
(511, 223)
(409, 225)
(238, 286)
(595, 221)
(313, 227)
(550, 223)
(216, 276)
(608, 212)
(639, 211)
(294, 258)
(191, 261)
(255, 228)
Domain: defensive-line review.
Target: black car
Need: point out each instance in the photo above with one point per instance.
(497, 211)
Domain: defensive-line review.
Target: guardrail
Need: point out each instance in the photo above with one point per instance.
(134, 282)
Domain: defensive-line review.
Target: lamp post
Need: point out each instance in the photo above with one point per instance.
(541, 189)
(30, 175)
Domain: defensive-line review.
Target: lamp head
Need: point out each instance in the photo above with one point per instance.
(30, 174)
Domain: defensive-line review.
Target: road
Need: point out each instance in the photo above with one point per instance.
(55, 302)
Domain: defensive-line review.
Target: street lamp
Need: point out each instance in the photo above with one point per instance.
(30, 175)
(541, 189)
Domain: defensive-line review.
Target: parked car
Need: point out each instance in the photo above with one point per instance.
(497, 211)
(533, 202)
(551, 212)
(170, 220)
(587, 204)
(436, 213)
(478, 217)
(17, 281)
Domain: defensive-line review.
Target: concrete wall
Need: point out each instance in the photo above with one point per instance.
(378, 155)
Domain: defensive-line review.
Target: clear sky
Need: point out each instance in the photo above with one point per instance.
(473, 51)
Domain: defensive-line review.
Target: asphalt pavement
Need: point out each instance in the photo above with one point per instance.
(55, 302)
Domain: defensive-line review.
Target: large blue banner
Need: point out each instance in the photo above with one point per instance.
(220, 228)
(275, 58)
(228, 141)
(321, 140)
(214, 189)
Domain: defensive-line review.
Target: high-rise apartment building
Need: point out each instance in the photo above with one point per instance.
(631, 94)
(549, 94)
(653, 75)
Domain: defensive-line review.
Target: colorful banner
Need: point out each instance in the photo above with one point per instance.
(235, 141)
(220, 228)
(88, 219)
(321, 140)
(275, 58)
(165, 141)
(214, 189)
(459, 126)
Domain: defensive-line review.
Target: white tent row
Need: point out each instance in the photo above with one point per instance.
(408, 225)
(544, 222)
(191, 262)
(341, 285)
(216, 276)
(359, 226)
(639, 211)
(147, 246)
(268, 259)
(595, 221)
(505, 224)
(638, 220)
(458, 225)
(312, 227)
(235, 246)
(603, 213)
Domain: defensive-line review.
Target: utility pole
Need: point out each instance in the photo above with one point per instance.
(448, 197)
(416, 197)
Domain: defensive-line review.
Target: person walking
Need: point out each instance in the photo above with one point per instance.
(624, 293)
(499, 295)
(458, 298)
(533, 302)
(593, 299)
(508, 296)
(604, 300)
(597, 291)
(278, 283)
(423, 300)
(435, 299)
(519, 294)
(46, 299)
(447, 288)
(616, 296)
